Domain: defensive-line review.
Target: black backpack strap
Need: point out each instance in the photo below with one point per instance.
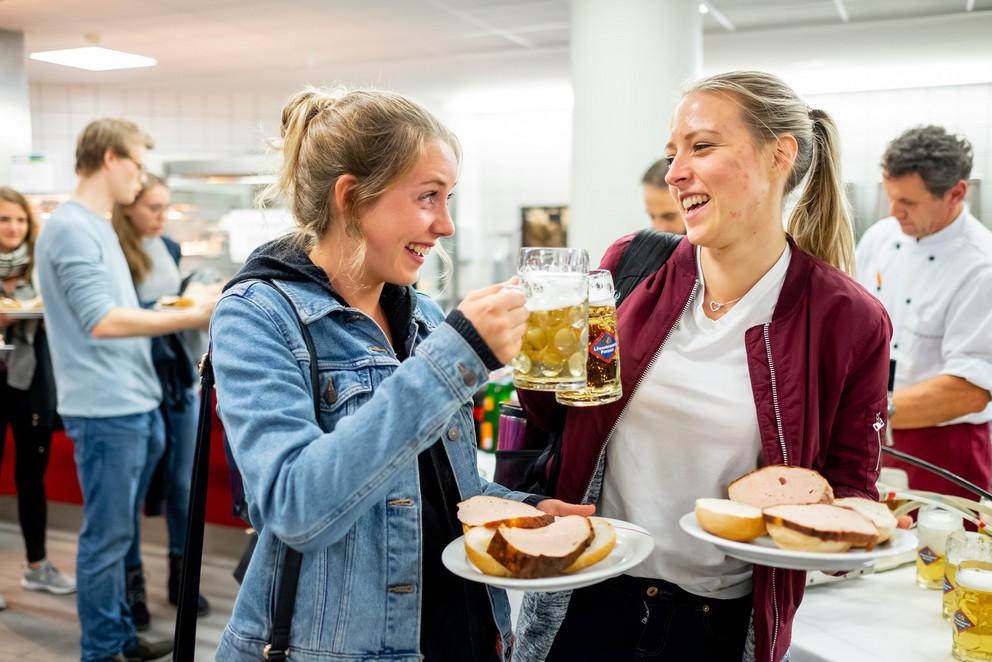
(184, 642)
(645, 254)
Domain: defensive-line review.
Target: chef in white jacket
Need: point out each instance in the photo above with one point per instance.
(930, 264)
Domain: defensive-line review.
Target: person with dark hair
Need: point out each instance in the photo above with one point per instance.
(732, 360)
(108, 392)
(930, 264)
(27, 392)
(662, 208)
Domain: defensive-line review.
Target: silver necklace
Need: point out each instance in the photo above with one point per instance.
(716, 305)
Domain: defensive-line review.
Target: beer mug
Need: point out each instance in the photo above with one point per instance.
(972, 632)
(603, 358)
(933, 525)
(556, 284)
(962, 546)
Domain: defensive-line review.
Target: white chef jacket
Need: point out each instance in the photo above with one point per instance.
(938, 292)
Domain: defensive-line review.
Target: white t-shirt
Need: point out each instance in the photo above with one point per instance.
(938, 292)
(688, 431)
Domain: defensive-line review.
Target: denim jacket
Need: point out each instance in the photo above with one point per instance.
(343, 490)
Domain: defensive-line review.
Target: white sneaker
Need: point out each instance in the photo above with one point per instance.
(46, 578)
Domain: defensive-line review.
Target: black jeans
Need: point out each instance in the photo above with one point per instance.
(632, 619)
(32, 443)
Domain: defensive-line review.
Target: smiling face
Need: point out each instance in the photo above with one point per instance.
(14, 226)
(727, 185)
(147, 214)
(409, 217)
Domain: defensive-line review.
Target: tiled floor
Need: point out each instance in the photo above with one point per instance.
(43, 628)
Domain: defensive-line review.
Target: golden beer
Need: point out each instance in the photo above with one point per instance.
(553, 356)
(933, 525)
(602, 362)
(972, 619)
(962, 546)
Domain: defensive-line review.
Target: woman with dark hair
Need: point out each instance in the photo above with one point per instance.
(732, 359)
(27, 393)
(153, 260)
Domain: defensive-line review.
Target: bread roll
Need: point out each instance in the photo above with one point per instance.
(876, 512)
(729, 519)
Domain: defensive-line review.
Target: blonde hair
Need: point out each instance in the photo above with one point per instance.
(373, 135)
(139, 263)
(820, 224)
(8, 194)
(117, 135)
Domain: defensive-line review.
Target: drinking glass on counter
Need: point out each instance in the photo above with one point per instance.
(556, 284)
(603, 356)
(933, 526)
(972, 633)
(962, 546)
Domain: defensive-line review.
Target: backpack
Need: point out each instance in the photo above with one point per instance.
(535, 468)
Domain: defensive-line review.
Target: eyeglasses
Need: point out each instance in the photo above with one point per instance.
(138, 164)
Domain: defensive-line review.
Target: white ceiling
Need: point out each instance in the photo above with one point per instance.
(236, 41)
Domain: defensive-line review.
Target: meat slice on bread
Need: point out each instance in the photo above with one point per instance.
(542, 552)
(777, 485)
(876, 512)
(819, 528)
(493, 512)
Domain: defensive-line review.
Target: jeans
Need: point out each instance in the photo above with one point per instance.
(641, 620)
(180, 428)
(115, 457)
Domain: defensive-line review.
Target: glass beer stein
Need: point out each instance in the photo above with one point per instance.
(962, 546)
(933, 525)
(972, 621)
(603, 357)
(556, 284)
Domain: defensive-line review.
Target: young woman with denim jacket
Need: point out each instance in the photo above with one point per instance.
(749, 347)
(366, 493)
(27, 393)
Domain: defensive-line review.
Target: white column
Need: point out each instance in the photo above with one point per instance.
(629, 61)
(15, 110)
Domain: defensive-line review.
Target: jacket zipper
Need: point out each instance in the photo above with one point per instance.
(877, 427)
(785, 461)
(602, 449)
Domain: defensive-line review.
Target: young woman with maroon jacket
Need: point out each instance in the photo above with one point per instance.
(750, 346)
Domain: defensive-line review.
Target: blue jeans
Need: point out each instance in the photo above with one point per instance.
(115, 457)
(181, 430)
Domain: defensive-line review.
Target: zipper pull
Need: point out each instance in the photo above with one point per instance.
(879, 423)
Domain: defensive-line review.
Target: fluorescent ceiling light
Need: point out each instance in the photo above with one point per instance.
(94, 58)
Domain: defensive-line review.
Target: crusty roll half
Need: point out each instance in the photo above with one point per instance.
(876, 512)
(730, 519)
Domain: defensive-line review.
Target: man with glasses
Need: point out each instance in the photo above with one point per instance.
(108, 392)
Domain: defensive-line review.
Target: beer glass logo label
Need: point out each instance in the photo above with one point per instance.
(948, 586)
(928, 556)
(961, 622)
(604, 347)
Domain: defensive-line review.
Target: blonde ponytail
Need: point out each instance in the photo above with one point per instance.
(821, 223)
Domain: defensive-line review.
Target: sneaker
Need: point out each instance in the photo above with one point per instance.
(143, 649)
(47, 578)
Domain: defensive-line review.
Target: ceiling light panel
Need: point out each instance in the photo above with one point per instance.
(94, 58)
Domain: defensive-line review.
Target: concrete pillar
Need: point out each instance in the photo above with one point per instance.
(15, 107)
(629, 61)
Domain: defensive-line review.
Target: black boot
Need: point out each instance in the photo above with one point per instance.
(175, 581)
(136, 599)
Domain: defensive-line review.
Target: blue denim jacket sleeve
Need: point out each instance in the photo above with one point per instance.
(310, 487)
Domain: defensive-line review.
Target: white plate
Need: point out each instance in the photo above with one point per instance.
(23, 313)
(763, 551)
(633, 546)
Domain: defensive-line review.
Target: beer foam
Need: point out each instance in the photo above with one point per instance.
(601, 299)
(551, 291)
(977, 579)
